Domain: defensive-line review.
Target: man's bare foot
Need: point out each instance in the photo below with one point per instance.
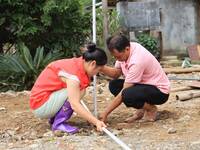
(151, 114)
(137, 116)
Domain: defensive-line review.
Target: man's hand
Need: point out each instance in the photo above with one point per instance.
(103, 117)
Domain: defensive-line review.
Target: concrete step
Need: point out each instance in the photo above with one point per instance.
(171, 63)
(166, 58)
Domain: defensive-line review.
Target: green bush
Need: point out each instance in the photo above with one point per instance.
(53, 24)
(149, 43)
(19, 71)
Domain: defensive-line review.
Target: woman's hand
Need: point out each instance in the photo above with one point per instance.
(100, 124)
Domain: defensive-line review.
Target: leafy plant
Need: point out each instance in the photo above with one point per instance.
(113, 25)
(19, 71)
(150, 43)
(52, 24)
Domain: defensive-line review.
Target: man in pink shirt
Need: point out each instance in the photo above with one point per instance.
(145, 84)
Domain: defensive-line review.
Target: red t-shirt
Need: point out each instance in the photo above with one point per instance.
(49, 79)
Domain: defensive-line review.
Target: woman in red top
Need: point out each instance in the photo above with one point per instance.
(61, 85)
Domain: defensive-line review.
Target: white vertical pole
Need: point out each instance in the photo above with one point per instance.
(94, 20)
(94, 40)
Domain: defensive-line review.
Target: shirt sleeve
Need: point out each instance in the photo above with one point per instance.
(134, 75)
(117, 65)
(62, 73)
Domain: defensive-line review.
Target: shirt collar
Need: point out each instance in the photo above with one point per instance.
(130, 54)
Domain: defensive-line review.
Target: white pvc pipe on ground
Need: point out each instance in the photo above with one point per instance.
(85, 106)
(117, 140)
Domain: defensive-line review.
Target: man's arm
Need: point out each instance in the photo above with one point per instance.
(115, 103)
(111, 72)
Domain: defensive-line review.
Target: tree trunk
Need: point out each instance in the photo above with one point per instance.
(187, 96)
(1, 48)
(181, 70)
(181, 89)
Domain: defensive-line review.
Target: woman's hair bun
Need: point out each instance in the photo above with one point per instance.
(91, 47)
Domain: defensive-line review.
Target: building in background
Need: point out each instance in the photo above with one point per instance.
(176, 21)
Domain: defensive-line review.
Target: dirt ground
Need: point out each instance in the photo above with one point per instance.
(178, 126)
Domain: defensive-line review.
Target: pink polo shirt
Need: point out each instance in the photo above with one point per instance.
(49, 79)
(142, 67)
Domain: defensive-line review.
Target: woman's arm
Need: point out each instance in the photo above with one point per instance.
(74, 96)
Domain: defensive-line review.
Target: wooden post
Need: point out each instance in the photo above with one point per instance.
(184, 88)
(179, 70)
(161, 45)
(187, 96)
(105, 25)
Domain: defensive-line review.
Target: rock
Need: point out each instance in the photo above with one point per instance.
(84, 132)
(100, 133)
(58, 133)
(10, 93)
(90, 89)
(139, 132)
(18, 138)
(10, 145)
(108, 99)
(17, 128)
(2, 109)
(185, 118)
(33, 135)
(100, 90)
(11, 132)
(195, 145)
(48, 134)
(103, 84)
(171, 131)
(116, 132)
(34, 146)
(103, 141)
(121, 132)
(39, 136)
(123, 125)
(23, 93)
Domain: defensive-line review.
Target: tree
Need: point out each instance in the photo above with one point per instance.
(53, 24)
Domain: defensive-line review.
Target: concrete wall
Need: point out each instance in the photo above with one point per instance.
(198, 22)
(180, 24)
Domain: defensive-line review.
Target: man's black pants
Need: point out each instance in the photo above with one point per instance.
(138, 94)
